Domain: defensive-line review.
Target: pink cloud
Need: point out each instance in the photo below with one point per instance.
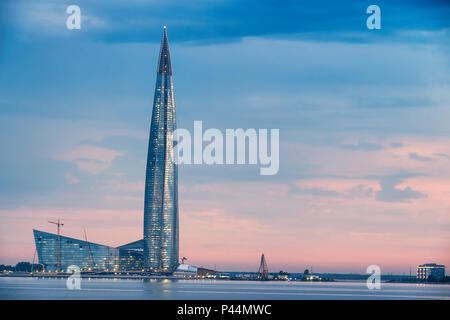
(88, 158)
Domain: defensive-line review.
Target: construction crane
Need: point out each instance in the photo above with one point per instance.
(263, 271)
(58, 254)
(89, 249)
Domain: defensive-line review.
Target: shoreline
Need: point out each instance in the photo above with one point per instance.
(167, 277)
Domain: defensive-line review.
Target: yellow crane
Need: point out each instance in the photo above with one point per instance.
(58, 258)
(89, 250)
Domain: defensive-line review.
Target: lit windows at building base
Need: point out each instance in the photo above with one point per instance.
(430, 271)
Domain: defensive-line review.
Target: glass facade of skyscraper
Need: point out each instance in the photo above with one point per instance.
(161, 183)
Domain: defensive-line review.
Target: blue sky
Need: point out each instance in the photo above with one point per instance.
(363, 118)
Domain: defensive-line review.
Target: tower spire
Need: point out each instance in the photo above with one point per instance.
(164, 65)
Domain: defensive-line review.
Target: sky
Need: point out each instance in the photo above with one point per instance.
(363, 117)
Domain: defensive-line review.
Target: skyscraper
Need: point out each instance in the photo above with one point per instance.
(161, 181)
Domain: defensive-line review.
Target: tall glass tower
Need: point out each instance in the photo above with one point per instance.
(161, 181)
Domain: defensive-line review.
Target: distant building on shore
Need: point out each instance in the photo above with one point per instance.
(430, 271)
(186, 271)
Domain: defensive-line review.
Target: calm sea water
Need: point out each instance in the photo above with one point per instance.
(33, 288)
